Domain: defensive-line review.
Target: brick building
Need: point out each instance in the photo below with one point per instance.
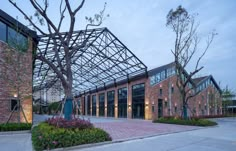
(151, 95)
(17, 43)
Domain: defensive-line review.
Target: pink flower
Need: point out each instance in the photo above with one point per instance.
(54, 142)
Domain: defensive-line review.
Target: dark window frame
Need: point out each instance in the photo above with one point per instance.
(16, 103)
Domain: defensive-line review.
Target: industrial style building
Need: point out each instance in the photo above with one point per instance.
(151, 95)
(17, 43)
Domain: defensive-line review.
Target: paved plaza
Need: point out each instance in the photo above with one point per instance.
(125, 129)
(134, 135)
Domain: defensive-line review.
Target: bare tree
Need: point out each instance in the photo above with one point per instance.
(62, 65)
(186, 45)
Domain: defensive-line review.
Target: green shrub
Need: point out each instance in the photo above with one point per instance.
(15, 126)
(180, 121)
(45, 136)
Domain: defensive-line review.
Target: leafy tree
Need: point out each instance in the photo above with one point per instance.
(186, 45)
(62, 65)
(227, 98)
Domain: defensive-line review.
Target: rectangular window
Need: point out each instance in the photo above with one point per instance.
(88, 105)
(163, 75)
(122, 102)
(101, 104)
(172, 90)
(14, 104)
(158, 78)
(17, 40)
(153, 109)
(160, 92)
(138, 97)
(94, 105)
(166, 104)
(3, 31)
(152, 80)
(175, 109)
(110, 103)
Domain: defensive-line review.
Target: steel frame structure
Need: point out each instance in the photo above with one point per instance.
(102, 60)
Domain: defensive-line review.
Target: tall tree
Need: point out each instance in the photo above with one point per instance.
(185, 28)
(62, 65)
(228, 96)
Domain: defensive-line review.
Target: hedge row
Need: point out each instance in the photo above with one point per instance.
(193, 121)
(15, 126)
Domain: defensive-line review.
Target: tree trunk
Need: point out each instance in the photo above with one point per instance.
(185, 112)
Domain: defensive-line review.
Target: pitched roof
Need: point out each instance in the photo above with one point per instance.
(199, 79)
(159, 69)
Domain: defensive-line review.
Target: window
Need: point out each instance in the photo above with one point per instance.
(138, 97)
(14, 104)
(163, 75)
(17, 40)
(94, 105)
(160, 92)
(122, 102)
(110, 103)
(153, 109)
(152, 80)
(172, 90)
(3, 31)
(158, 78)
(166, 104)
(175, 109)
(101, 104)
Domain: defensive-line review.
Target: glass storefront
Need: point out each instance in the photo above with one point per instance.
(122, 102)
(94, 105)
(110, 103)
(138, 103)
(101, 104)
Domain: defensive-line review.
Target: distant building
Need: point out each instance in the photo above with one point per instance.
(16, 38)
(49, 95)
(150, 96)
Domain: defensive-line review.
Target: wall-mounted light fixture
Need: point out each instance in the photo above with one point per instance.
(146, 105)
(175, 104)
(129, 106)
(15, 95)
(160, 85)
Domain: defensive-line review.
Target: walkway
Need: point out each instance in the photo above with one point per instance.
(218, 138)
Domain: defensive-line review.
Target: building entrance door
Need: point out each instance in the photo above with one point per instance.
(160, 108)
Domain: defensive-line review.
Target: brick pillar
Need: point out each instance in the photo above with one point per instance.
(116, 103)
(129, 101)
(97, 105)
(105, 101)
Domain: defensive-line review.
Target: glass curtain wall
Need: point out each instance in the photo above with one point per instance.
(122, 102)
(94, 105)
(101, 104)
(110, 103)
(138, 103)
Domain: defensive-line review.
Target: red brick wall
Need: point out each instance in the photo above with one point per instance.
(152, 95)
(7, 90)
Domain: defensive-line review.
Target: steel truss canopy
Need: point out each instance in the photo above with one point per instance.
(102, 60)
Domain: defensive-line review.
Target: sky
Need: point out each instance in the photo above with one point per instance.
(141, 26)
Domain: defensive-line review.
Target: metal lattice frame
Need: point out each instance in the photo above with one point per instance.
(103, 59)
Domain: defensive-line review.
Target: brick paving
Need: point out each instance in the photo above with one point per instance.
(128, 129)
